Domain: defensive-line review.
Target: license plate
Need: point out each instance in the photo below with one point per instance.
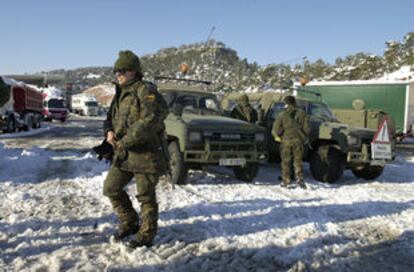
(232, 162)
(377, 162)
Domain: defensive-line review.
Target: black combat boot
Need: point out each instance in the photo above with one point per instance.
(285, 183)
(301, 184)
(138, 242)
(125, 230)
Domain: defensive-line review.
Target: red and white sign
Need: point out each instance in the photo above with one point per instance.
(381, 144)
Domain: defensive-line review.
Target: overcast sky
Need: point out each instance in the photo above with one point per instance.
(45, 35)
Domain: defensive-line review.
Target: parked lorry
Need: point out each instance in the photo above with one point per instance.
(396, 99)
(23, 109)
(84, 104)
(199, 135)
(54, 105)
(333, 146)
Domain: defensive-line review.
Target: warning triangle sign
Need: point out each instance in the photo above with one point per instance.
(382, 135)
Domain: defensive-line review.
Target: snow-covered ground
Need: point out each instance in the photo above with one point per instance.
(53, 217)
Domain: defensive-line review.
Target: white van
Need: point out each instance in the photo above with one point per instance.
(83, 104)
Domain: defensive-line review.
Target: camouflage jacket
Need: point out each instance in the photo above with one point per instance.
(4, 93)
(291, 124)
(136, 116)
(244, 112)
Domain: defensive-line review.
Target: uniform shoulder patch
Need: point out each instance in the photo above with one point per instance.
(150, 97)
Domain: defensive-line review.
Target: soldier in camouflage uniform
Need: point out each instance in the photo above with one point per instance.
(244, 111)
(292, 127)
(4, 92)
(134, 127)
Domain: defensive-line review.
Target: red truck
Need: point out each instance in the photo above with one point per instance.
(54, 108)
(23, 111)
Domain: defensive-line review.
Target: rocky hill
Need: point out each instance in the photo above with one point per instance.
(220, 64)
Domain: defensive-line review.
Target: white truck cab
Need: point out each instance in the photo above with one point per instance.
(83, 104)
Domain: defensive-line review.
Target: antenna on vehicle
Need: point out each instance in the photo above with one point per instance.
(182, 79)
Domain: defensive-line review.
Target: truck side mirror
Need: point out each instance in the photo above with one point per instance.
(177, 109)
(261, 115)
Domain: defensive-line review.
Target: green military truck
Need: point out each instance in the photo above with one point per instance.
(199, 135)
(370, 101)
(333, 146)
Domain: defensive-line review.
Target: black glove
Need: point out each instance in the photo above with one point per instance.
(104, 150)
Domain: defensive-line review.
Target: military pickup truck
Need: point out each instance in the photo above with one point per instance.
(333, 146)
(199, 135)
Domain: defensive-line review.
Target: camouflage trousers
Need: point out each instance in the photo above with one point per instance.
(114, 185)
(291, 153)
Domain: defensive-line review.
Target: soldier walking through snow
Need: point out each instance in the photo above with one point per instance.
(134, 127)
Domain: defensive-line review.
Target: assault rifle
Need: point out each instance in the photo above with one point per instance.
(104, 151)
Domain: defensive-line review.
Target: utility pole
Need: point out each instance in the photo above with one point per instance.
(210, 34)
(210, 53)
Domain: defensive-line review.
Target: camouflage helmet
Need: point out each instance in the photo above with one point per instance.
(127, 60)
(243, 99)
(290, 100)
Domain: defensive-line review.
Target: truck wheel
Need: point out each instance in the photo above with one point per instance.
(179, 169)
(327, 164)
(28, 122)
(247, 173)
(368, 172)
(11, 125)
(36, 122)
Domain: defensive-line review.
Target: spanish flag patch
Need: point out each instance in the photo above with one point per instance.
(150, 97)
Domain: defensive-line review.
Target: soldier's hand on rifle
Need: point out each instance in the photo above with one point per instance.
(111, 138)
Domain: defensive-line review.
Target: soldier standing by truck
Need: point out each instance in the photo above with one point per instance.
(134, 127)
(244, 111)
(292, 126)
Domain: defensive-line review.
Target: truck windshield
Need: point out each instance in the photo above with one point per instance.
(56, 103)
(321, 111)
(314, 110)
(279, 106)
(91, 104)
(196, 103)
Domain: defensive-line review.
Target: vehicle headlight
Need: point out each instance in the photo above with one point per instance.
(259, 137)
(352, 140)
(194, 136)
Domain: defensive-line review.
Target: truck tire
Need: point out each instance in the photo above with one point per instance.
(247, 173)
(179, 169)
(36, 122)
(10, 126)
(28, 122)
(327, 163)
(368, 172)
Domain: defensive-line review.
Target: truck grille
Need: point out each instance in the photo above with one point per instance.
(232, 136)
(231, 147)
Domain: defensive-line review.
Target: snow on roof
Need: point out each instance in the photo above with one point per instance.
(11, 82)
(355, 82)
(52, 92)
(404, 75)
